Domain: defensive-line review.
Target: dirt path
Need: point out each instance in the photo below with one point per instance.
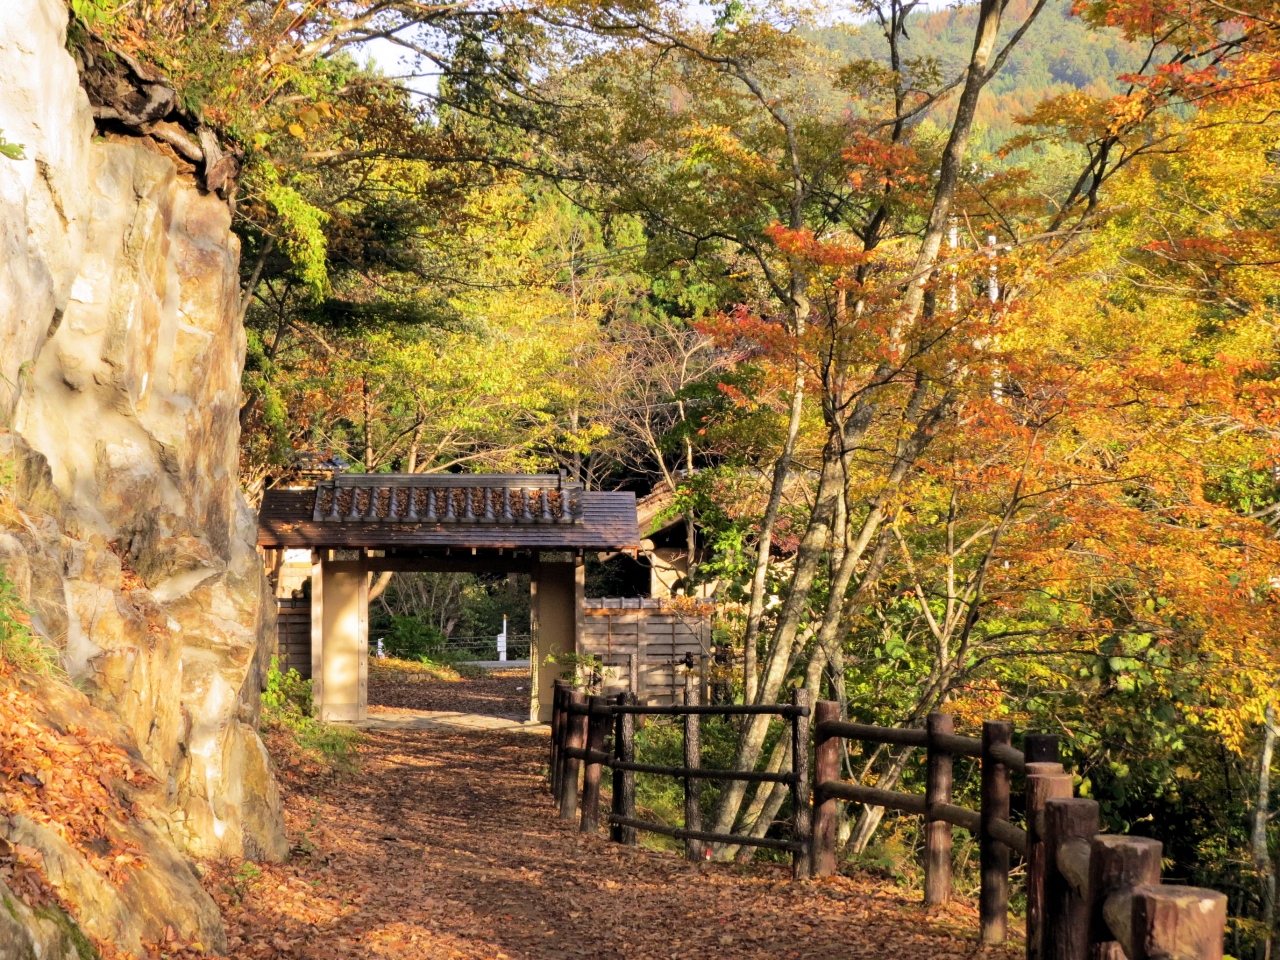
(496, 693)
(445, 845)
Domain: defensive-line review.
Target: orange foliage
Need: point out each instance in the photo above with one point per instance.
(63, 780)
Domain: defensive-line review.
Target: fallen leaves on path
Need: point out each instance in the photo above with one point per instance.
(498, 693)
(445, 846)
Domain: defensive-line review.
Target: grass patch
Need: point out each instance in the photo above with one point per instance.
(19, 644)
(390, 668)
(288, 712)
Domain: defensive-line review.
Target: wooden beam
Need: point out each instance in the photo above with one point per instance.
(499, 564)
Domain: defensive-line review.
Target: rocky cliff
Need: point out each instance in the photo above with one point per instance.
(124, 533)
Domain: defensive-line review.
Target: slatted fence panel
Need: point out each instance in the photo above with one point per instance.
(614, 629)
(294, 637)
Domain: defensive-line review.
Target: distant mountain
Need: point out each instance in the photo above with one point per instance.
(1058, 54)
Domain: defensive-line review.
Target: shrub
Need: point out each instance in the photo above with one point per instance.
(287, 707)
(412, 639)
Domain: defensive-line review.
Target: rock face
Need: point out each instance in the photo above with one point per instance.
(120, 360)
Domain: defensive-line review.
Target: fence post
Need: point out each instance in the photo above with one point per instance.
(826, 768)
(555, 733)
(1182, 922)
(801, 813)
(558, 695)
(692, 785)
(1117, 864)
(1041, 748)
(624, 781)
(596, 724)
(993, 899)
(576, 739)
(1066, 910)
(937, 833)
(1045, 781)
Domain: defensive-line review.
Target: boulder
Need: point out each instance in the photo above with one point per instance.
(122, 528)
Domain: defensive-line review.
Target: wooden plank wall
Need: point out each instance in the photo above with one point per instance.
(614, 629)
(294, 638)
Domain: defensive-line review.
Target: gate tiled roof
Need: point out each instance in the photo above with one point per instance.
(389, 510)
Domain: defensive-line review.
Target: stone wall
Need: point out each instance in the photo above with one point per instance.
(124, 530)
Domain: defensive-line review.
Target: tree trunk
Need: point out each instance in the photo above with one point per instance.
(755, 609)
(415, 446)
(1261, 814)
(379, 586)
(769, 797)
(808, 555)
(984, 43)
(368, 434)
(830, 488)
(251, 284)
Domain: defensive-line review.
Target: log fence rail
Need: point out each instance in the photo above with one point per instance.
(580, 725)
(1090, 896)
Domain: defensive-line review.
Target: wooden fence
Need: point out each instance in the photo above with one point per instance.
(645, 646)
(1090, 896)
(580, 727)
(293, 620)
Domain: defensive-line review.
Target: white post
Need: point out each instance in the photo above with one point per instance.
(502, 641)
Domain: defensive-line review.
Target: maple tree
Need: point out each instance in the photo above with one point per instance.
(971, 416)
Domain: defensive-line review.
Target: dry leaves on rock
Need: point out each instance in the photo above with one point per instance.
(64, 780)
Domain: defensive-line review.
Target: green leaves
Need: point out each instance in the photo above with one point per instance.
(93, 13)
(14, 151)
(303, 237)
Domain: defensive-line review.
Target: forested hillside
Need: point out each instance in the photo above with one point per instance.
(1059, 54)
(954, 337)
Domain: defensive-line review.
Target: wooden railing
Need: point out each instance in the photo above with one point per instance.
(579, 730)
(1090, 896)
(996, 835)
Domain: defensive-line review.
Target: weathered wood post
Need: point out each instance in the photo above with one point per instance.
(597, 721)
(1181, 922)
(993, 899)
(693, 761)
(575, 739)
(826, 769)
(937, 832)
(624, 781)
(801, 813)
(1117, 864)
(1045, 781)
(1068, 822)
(555, 734)
(559, 695)
(1041, 748)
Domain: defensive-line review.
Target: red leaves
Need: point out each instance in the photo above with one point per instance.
(839, 253)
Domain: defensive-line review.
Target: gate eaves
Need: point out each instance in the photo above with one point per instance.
(483, 511)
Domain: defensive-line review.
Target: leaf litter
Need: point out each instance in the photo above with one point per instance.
(446, 846)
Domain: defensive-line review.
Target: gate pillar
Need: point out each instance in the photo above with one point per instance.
(555, 616)
(340, 622)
